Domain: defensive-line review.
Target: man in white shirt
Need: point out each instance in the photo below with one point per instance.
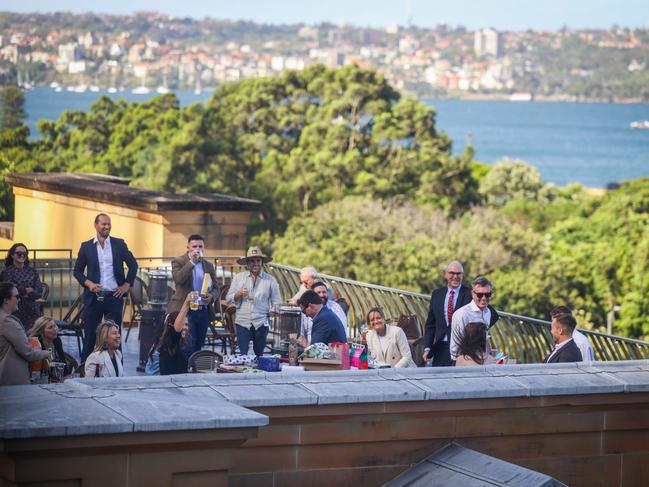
(99, 269)
(584, 346)
(478, 310)
(306, 325)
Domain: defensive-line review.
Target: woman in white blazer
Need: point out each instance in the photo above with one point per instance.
(386, 343)
(106, 359)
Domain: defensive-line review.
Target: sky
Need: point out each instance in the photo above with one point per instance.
(501, 14)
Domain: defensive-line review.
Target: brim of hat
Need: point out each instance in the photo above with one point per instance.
(244, 260)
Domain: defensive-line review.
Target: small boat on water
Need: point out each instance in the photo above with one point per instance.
(112, 89)
(640, 124)
(141, 90)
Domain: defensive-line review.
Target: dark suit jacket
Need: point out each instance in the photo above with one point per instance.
(568, 353)
(436, 327)
(182, 271)
(88, 262)
(327, 328)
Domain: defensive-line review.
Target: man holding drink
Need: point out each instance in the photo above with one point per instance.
(192, 274)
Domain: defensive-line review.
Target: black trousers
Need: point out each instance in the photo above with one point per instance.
(441, 354)
(110, 308)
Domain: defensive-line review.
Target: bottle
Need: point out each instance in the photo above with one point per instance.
(35, 367)
(292, 349)
(363, 363)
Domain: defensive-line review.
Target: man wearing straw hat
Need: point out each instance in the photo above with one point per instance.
(253, 292)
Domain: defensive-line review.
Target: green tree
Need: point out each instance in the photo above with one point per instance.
(12, 108)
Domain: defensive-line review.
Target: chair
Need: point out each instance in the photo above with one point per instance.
(72, 322)
(408, 323)
(204, 361)
(137, 295)
(224, 312)
(42, 301)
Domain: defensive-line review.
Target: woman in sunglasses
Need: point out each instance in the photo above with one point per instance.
(18, 271)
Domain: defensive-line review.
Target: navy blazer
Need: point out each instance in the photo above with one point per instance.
(87, 264)
(436, 327)
(327, 328)
(568, 353)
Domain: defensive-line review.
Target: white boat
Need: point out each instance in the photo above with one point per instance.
(80, 88)
(162, 90)
(141, 90)
(112, 89)
(94, 89)
(521, 96)
(640, 124)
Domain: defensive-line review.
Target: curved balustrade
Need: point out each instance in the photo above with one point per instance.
(528, 340)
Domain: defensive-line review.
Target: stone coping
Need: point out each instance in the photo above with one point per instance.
(208, 401)
(115, 191)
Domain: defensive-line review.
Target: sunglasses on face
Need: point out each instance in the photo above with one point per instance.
(482, 295)
(20, 254)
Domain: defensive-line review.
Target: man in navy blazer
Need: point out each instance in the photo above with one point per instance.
(100, 270)
(565, 348)
(437, 333)
(327, 327)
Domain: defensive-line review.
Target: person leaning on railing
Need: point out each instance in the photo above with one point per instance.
(386, 343)
(18, 271)
(46, 331)
(106, 359)
(15, 350)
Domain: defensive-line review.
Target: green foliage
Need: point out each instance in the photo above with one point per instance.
(514, 179)
(12, 108)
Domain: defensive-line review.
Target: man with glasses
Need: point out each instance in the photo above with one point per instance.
(443, 303)
(100, 270)
(308, 276)
(478, 310)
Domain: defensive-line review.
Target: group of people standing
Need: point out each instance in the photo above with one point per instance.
(459, 317)
(456, 329)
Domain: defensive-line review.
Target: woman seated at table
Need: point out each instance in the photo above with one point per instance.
(176, 328)
(46, 331)
(386, 343)
(473, 345)
(15, 350)
(106, 359)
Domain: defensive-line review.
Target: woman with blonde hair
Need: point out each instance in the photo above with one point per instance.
(106, 359)
(386, 343)
(46, 331)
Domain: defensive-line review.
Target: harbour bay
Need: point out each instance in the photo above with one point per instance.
(592, 144)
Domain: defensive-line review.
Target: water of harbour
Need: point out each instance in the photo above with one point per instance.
(569, 142)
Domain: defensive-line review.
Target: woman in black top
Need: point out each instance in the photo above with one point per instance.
(46, 331)
(172, 359)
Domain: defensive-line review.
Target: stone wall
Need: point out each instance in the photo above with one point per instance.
(584, 424)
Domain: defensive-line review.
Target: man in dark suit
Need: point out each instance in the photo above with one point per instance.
(565, 348)
(327, 327)
(443, 302)
(100, 270)
(188, 272)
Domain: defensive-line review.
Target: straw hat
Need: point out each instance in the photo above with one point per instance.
(254, 252)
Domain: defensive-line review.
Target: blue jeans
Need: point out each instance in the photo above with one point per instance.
(198, 323)
(258, 337)
(110, 308)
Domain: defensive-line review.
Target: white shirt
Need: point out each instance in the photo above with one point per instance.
(587, 352)
(106, 271)
(469, 313)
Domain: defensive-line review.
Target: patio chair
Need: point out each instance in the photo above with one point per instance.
(408, 323)
(204, 361)
(72, 322)
(137, 296)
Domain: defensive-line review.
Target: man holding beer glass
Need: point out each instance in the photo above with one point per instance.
(192, 274)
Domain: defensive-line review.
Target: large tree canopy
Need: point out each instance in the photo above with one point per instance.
(359, 183)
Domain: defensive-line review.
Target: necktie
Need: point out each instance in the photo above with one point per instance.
(449, 307)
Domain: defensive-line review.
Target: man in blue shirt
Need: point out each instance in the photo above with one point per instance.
(327, 327)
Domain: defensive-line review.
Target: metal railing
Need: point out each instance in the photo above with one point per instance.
(526, 339)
